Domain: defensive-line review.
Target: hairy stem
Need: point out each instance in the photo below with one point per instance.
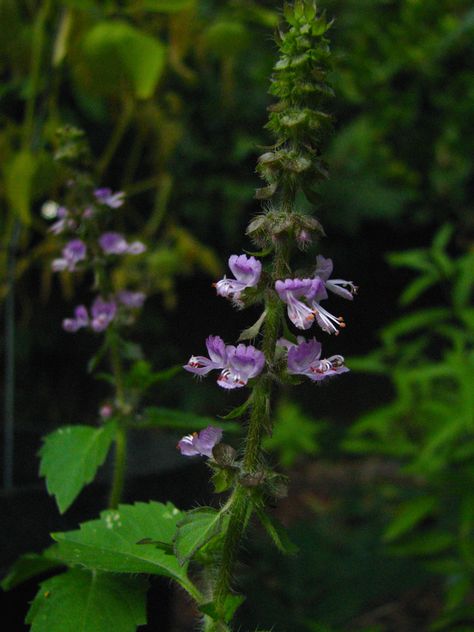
(120, 459)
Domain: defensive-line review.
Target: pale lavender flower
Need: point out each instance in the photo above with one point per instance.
(106, 411)
(80, 320)
(115, 244)
(200, 365)
(291, 291)
(73, 252)
(304, 358)
(247, 271)
(103, 313)
(323, 271)
(112, 200)
(132, 300)
(200, 444)
(62, 222)
(243, 363)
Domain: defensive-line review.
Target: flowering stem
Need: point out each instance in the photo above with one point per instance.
(120, 459)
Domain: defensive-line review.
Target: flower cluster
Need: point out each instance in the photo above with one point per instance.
(237, 364)
(90, 251)
(303, 297)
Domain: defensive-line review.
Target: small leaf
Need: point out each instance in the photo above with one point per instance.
(409, 515)
(413, 322)
(277, 532)
(90, 601)
(195, 530)
(230, 605)
(70, 458)
(252, 332)
(414, 289)
(28, 566)
(239, 411)
(429, 543)
(159, 417)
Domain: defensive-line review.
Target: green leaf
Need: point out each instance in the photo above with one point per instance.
(111, 543)
(464, 283)
(414, 289)
(239, 411)
(28, 566)
(70, 458)
(230, 605)
(116, 50)
(81, 600)
(277, 532)
(195, 530)
(167, 6)
(429, 543)
(180, 420)
(226, 38)
(414, 259)
(413, 322)
(252, 332)
(442, 238)
(409, 515)
(19, 175)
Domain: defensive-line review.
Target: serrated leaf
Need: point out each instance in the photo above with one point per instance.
(70, 457)
(111, 543)
(88, 601)
(28, 566)
(195, 530)
(409, 515)
(277, 532)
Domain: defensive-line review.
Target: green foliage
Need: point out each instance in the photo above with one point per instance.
(429, 356)
(294, 434)
(230, 605)
(28, 566)
(111, 543)
(89, 600)
(70, 458)
(195, 530)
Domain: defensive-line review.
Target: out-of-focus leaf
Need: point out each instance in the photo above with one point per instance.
(428, 543)
(19, 175)
(180, 420)
(413, 322)
(416, 288)
(116, 51)
(409, 515)
(88, 600)
(464, 284)
(167, 6)
(29, 565)
(226, 37)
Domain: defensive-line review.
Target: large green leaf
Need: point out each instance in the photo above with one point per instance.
(112, 542)
(89, 601)
(70, 457)
(116, 50)
(28, 566)
(195, 530)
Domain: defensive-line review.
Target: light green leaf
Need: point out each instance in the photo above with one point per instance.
(414, 322)
(112, 542)
(464, 283)
(28, 566)
(414, 259)
(252, 332)
(195, 530)
(414, 289)
(239, 410)
(117, 50)
(70, 457)
(428, 543)
(226, 38)
(409, 515)
(19, 175)
(88, 601)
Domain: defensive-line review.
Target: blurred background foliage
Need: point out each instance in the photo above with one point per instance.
(172, 97)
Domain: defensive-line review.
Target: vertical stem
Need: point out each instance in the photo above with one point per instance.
(120, 459)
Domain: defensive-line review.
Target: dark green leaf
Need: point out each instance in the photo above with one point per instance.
(230, 605)
(409, 515)
(28, 566)
(277, 532)
(155, 416)
(239, 411)
(195, 530)
(70, 457)
(89, 601)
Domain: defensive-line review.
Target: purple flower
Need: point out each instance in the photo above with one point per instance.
(243, 363)
(323, 271)
(202, 443)
(103, 313)
(73, 252)
(132, 300)
(238, 364)
(247, 271)
(116, 244)
(81, 319)
(112, 200)
(304, 358)
(291, 291)
(200, 365)
(106, 411)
